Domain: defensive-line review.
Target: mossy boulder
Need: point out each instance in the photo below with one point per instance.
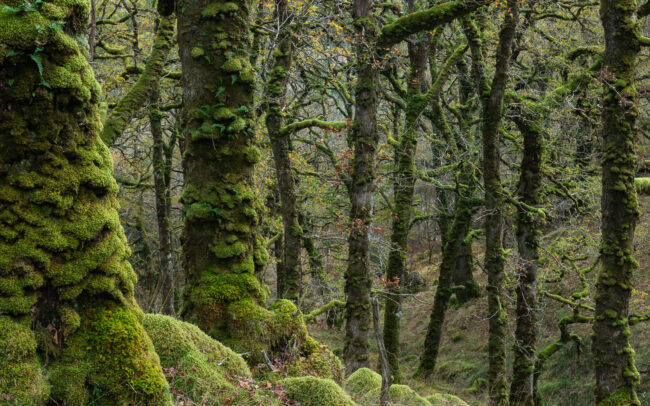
(362, 381)
(197, 366)
(21, 376)
(445, 399)
(312, 391)
(398, 395)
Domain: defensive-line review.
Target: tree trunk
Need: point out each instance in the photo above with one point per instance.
(404, 186)
(290, 283)
(70, 329)
(616, 374)
(161, 176)
(364, 139)
(494, 206)
(523, 387)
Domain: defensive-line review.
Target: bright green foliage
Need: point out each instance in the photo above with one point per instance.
(312, 391)
(203, 365)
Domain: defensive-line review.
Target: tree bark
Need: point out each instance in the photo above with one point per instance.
(616, 374)
(290, 283)
(69, 324)
(494, 206)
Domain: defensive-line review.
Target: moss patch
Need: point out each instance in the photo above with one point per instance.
(312, 391)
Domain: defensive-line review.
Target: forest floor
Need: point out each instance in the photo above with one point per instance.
(567, 377)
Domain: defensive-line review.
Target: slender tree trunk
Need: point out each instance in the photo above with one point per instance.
(616, 374)
(364, 139)
(69, 324)
(523, 387)
(404, 186)
(290, 283)
(161, 177)
(494, 206)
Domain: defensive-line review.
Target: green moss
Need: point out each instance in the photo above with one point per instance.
(642, 186)
(203, 367)
(312, 391)
(400, 395)
(197, 52)
(21, 374)
(444, 399)
(620, 398)
(214, 9)
(362, 381)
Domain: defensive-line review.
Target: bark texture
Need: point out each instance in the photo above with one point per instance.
(70, 329)
(616, 374)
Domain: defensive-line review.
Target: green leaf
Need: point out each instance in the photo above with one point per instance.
(11, 82)
(37, 60)
(46, 84)
(13, 52)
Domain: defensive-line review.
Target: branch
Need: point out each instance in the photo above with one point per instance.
(312, 122)
(427, 20)
(123, 113)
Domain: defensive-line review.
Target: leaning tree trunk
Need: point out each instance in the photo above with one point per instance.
(290, 282)
(494, 206)
(70, 329)
(616, 374)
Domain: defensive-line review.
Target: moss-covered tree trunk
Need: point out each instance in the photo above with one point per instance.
(404, 185)
(222, 246)
(120, 117)
(494, 206)
(70, 329)
(289, 283)
(364, 139)
(221, 243)
(522, 388)
(616, 375)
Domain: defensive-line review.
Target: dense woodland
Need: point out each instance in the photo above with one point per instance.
(336, 203)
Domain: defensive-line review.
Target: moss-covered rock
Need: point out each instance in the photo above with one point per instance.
(312, 391)
(445, 399)
(202, 367)
(362, 381)
(398, 395)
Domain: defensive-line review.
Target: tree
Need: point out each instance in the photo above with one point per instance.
(616, 374)
(70, 329)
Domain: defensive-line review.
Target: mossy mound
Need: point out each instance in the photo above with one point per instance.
(362, 381)
(398, 395)
(312, 391)
(197, 366)
(256, 331)
(21, 377)
(445, 399)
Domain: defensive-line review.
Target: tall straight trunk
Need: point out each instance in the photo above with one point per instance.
(616, 374)
(404, 185)
(494, 206)
(523, 387)
(364, 139)
(289, 284)
(161, 176)
(221, 242)
(70, 330)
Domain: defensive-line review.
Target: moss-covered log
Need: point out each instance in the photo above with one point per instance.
(616, 374)
(66, 286)
(147, 83)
